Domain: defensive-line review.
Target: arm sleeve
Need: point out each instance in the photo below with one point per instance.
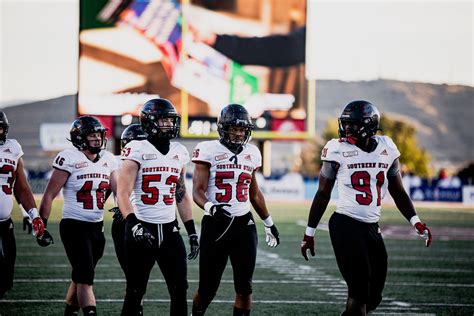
(329, 169)
(280, 50)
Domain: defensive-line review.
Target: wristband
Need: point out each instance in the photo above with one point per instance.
(310, 231)
(207, 207)
(268, 221)
(33, 213)
(414, 219)
(190, 228)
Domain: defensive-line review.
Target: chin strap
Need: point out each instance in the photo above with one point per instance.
(234, 158)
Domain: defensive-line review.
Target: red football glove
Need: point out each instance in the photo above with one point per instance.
(36, 223)
(38, 227)
(424, 232)
(307, 244)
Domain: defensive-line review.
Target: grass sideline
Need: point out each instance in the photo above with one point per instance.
(436, 281)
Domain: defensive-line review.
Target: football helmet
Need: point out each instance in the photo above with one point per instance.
(234, 115)
(151, 113)
(84, 126)
(5, 125)
(132, 132)
(358, 121)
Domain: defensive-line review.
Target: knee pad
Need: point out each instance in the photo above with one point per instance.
(373, 303)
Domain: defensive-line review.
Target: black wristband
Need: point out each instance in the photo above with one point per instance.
(45, 222)
(190, 228)
(131, 218)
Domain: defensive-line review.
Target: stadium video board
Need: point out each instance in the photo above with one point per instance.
(135, 50)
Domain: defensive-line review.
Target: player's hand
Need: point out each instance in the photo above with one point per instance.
(307, 244)
(37, 224)
(38, 227)
(27, 224)
(45, 240)
(140, 233)
(219, 212)
(272, 236)
(424, 232)
(117, 214)
(193, 246)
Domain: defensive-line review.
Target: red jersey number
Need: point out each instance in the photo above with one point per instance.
(361, 182)
(10, 170)
(84, 195)
(152, 193)
(242, 187)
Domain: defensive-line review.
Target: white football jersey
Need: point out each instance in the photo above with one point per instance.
(229, 181)
(154, 193)
(85, 189)
(362, 177)
(10, 153)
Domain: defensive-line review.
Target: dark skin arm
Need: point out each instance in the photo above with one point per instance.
(320, 201)
(257, 199)
(22, 190)
(200, 181)
(400, 196)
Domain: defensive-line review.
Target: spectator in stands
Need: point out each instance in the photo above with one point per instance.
(446, 181)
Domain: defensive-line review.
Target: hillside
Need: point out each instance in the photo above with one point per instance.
(441, 114)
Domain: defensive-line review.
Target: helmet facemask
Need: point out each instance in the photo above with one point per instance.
(357, 130)
(82, 128)
(102, 143)
(232, 140)
(161, 126)
(4, 134)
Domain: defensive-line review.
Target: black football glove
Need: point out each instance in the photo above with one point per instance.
(117, 214)
(46, 239)
(219, 213)
(140, 233)
(27, 224)
(193, 247)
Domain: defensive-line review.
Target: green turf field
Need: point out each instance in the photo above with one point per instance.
(421, 281)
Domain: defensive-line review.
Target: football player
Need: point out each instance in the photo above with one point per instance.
(132, 132)
(154, 171)
(224, 185)
(365, 165)
(13, 184)
(85, 174)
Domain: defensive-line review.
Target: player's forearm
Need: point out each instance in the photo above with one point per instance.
(401, 198)
(318, 207)
(185, 208)
(45, 207)
(258, 203)
(123, 201)
(25, 197)
(199, 197)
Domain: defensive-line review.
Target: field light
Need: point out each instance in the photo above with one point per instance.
(126, 119)
(261, 122)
